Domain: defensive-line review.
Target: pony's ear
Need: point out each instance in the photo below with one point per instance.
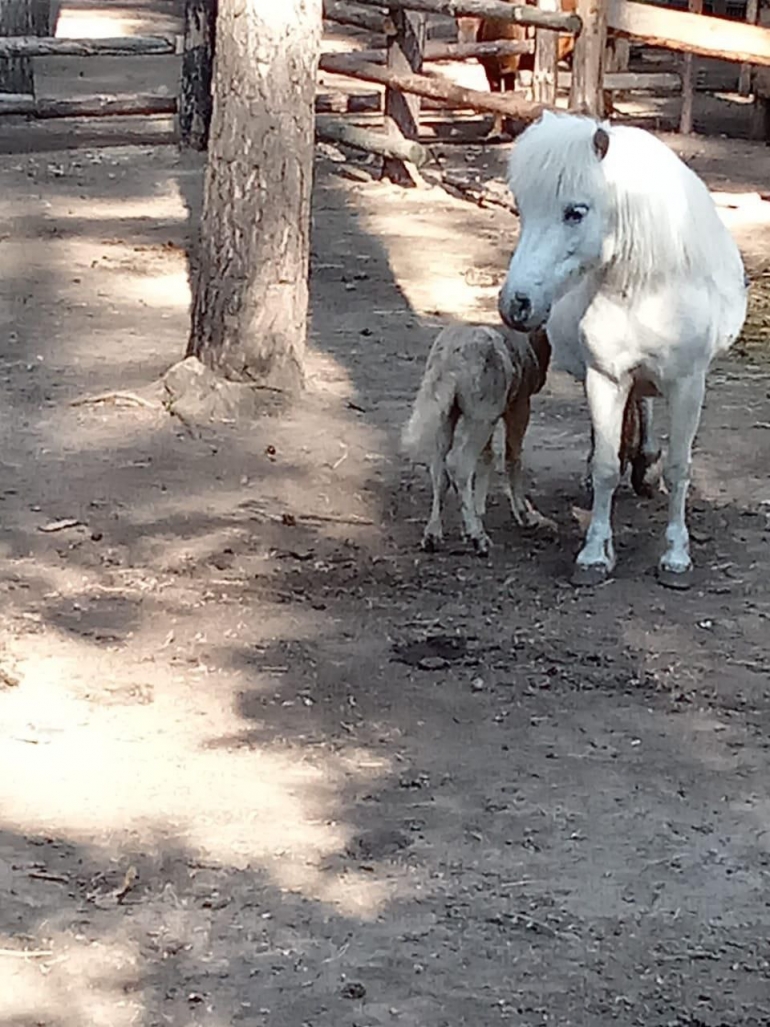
(601, 142)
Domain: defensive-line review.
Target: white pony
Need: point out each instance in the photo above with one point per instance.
(623, 256)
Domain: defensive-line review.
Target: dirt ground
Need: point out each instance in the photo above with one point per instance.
(261, 760)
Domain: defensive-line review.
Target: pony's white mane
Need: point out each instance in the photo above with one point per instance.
(660, 219)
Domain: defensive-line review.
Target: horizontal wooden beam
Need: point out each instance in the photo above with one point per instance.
(348, 103)
(436, 51)
(127, 105)
(330, 131)
(690, 33)
(435, 88)
(123, 46)
(520, 14)
(623, 81)
(350, 14)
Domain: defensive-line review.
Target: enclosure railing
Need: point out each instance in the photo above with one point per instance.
(599, 65)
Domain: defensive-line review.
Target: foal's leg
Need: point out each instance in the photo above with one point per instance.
(516, 422)
(434, 531)
(685, 403)
(517, 416)
(483, 476)
(606, 400)
(645, 472)
(470, 440)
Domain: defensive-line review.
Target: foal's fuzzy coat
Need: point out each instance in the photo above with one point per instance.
(475, 378)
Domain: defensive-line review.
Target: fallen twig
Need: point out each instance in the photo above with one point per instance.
(130, 398)
(26, 953)
(331, 519)
(62, 525)
(483, 194)
(44, 875)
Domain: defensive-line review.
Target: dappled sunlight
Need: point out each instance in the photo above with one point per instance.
(150, 770)
(431, 275)
(80, 24)
(262, 760)
(166, 205)
(159, 290)
(91, 22)
(71, 982)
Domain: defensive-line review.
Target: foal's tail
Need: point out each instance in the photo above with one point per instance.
(631, 434)
(432, 407)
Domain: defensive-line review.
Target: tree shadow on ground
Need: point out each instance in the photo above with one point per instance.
(359, 785)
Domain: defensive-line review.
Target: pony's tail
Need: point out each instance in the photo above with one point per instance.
(432, 406)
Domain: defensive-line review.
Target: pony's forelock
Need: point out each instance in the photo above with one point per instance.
(554, 160)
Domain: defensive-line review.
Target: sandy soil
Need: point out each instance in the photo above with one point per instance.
(264, 762)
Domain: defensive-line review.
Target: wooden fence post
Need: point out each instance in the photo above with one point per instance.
(760, 87)
(200, 18)
(744, 81)
(588, 59)
(21, 18)
(402, 111)
(688, 78)
(545, 73)
(615, 59)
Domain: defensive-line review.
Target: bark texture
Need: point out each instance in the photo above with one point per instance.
(200, 17)
(21, 18)
(250, 290)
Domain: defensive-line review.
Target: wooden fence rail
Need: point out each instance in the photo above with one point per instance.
(123, 46)
(434, 88)
(690, 33)
(497, 9)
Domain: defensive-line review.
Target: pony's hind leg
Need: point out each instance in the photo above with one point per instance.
(645, 466)
(434, 532)
(469, 441)
(685, 403)
(606, 400)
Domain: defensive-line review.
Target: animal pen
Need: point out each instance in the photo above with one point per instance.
(405, 64)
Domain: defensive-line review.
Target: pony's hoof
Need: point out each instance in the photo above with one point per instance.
(431, 543)
(589, 574)
(681, 580)
(481, 545)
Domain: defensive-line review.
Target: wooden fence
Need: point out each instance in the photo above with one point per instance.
(599, 64)
(402, 63)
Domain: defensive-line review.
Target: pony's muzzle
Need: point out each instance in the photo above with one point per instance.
(515, 311)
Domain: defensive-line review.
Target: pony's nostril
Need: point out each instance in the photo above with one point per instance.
(521, 306)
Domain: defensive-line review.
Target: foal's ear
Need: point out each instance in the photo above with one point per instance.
(601, 142)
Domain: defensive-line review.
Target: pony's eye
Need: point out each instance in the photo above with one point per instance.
(574, 213)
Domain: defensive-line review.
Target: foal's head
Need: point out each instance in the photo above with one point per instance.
(556, 177)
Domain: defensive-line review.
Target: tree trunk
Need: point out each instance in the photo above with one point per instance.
(250, 289)
(22, 18)
(200, 18)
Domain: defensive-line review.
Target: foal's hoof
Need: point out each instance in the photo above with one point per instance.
(679, 580)
(645, 475)
(589, 574)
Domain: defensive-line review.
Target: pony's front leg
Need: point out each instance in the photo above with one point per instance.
(685, 403)
(606, 401)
